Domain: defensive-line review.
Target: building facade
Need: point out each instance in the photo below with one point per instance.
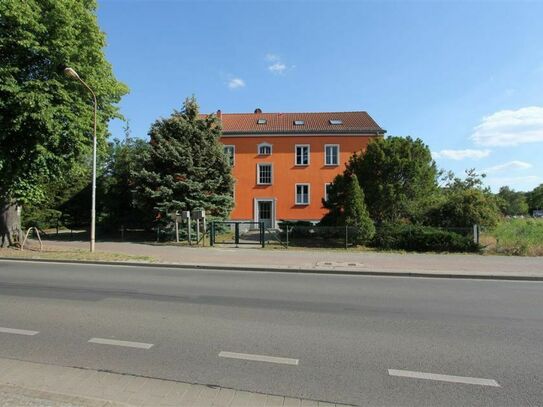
(283, 163)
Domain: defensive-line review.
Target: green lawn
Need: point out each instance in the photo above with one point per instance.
(520, 237)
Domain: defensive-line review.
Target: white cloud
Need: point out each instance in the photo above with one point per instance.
(276, 64)
(508, 166)
(510, 127)
(461, 154)
(236, 83)
(277, 67)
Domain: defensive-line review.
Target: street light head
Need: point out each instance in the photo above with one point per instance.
(71, 73)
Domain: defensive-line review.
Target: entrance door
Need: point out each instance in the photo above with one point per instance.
(265, 213)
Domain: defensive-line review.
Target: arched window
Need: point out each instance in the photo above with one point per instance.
(264, 149)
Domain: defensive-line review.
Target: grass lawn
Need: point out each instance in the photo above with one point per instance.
(519, 237)
(73, 254)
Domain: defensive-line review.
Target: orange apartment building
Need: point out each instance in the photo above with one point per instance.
(283, 163)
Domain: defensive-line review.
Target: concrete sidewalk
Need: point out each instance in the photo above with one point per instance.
(467, 265)
(36, 384)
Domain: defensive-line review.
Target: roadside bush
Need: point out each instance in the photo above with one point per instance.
(422, 239)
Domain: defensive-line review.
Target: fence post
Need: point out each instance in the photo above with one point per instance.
(346, 237)
(287, 234)
(212, 234)
(236, 234)
(262, 235)
(476, 234)
(176, 230)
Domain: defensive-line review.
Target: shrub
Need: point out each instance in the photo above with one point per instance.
(422, 239)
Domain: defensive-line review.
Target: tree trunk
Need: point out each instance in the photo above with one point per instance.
(10, 223)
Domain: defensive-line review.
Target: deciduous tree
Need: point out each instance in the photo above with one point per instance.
(398, 177)
(46, 118)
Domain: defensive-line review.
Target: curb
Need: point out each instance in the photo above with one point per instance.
(258, 269)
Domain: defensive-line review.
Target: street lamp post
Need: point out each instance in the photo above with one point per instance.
(73, 74)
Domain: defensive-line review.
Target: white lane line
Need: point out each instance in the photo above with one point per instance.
(18, 331)
(258, 358)
(443, 377)
(127, 344)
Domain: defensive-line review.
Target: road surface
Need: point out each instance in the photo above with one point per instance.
(346, 339)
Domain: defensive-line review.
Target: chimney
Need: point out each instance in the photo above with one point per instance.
(258, 110)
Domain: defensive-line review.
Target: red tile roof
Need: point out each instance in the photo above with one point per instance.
(352, 122)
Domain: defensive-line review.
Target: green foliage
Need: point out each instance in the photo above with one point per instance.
(346, 206)
(335, 203)
(118, 204)
(398, 177)
(512, 203)
(45, 118)
(464, 203)
(535, 198)
(421, 239)
(186, 168)
(355, 212)
(522, 237)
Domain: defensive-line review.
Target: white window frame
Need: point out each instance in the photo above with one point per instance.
(325, 156)
(296, 155)
(225, 146)
(326, 184)
(258, 174)
(308, 194)
(264, 145)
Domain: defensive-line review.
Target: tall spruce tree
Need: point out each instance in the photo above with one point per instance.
(186, 168)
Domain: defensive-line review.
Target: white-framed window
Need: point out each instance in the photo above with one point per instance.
(327, 187)
(230, 152)
(264, 149)
(302, 194)
(301, 152)
(264, 174)
(331, 154)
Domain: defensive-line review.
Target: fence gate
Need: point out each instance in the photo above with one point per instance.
(237, 233)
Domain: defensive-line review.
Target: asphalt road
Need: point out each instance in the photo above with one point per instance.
(348, 339)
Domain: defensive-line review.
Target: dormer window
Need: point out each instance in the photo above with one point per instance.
(261, 121)
(264, 149)
(336, 122)
(299, 122)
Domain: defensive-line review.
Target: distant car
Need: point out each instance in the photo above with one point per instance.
(538, 213)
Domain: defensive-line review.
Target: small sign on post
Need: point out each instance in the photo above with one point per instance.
(185, 215)
(199, 214)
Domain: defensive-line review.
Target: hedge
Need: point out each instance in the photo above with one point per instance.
(422, 239)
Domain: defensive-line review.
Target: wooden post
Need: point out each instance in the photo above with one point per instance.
(189, 232)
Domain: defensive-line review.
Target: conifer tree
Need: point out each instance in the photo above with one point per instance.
(186, 167)
(355, 212)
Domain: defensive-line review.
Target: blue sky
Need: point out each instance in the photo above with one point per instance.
(466, 76)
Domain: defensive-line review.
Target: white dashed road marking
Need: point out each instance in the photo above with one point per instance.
(18, 331)
(443, 377)
(258, 358)
(127, 344)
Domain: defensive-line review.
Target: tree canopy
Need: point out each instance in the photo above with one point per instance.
(464, 203)
(45, 118)
(398, 177)
(512, 203)
(535, 198)
(186, 168)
